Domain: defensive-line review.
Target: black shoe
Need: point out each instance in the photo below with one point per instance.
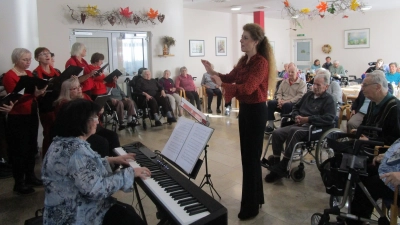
(121, 127)
(33, 181)
(271, 161)
(158, 123)
(272, 177)
(171, 120)
(268, 130)
(245, 215)
(23, 189)
(209, 110)
(218, 111)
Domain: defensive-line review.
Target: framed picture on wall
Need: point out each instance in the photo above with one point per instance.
(356, 38)
(220, 46)
(196, 48)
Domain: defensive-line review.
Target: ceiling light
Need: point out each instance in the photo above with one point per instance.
(236, 7)
(262, 7)
(366, 7)
(295, 16)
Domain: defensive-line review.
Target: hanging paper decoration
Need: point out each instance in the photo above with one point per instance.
(336, 7)
(354, 5)
(92, 10)
(125, 12)
(152, 14)
(120, 16)
(322, 6)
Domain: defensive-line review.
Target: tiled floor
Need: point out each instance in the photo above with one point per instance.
(287, 202)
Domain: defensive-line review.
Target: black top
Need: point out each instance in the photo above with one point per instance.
(151, 87)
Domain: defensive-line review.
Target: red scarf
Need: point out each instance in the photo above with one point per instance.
(44, 75)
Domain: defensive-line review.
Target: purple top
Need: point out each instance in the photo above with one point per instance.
(167, 84)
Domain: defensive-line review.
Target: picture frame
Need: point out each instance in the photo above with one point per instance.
(357, 38)
(196, 48)
(221, 46)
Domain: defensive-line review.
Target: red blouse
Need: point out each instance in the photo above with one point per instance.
(25, 103)
(247, 82)
(99, 88)
(88, 84)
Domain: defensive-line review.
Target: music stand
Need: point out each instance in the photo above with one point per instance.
(199, 116)
(207, 177)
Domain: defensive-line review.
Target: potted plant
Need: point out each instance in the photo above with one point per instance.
(168, 41)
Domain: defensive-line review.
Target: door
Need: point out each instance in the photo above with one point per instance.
(302, 53)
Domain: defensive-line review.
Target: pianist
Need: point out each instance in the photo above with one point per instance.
(78, 182)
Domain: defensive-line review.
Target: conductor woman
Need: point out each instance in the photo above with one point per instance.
(249, 82)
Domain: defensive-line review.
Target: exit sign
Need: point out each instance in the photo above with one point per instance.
(300, 35)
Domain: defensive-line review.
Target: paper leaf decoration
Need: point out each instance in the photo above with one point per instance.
(152, 14)
(305, 10)
(92, 10)
(125, 12)
(322, 6)
(354, 5)
(286, 2)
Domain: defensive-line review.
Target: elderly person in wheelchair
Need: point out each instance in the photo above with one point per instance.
(155, 97)
(121, 102)
(289, 93)
(316, 108)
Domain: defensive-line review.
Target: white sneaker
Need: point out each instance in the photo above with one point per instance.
(227, 111)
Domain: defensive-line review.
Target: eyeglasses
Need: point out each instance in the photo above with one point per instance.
(95, 119)
(75, 88)
(366, 85)
(45, 53)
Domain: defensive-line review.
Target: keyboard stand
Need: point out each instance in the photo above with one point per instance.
(207, 176)
(139, 202)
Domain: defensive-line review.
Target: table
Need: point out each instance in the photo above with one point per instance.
(352, 91)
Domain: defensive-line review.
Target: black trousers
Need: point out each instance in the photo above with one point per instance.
(252, 120)
(111, 137)
(210, 94)
(99, 144)
(158, 100)
(273, 107)
(122, 214)
(3, 145)
(193, 97)
(21, 135)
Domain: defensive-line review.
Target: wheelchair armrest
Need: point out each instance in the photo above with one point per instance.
(360, 130)
(359, 143)
(286, 115)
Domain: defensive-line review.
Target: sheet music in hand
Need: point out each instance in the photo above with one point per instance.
(186, 143)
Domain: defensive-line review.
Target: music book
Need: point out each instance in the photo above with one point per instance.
(110, 77)
(29, 84)
(186, 143)
(11, 97)
(102, 99)
(99, 71)
(67, 73)
(197, 114)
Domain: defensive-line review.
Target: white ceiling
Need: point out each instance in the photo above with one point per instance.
(274, 7)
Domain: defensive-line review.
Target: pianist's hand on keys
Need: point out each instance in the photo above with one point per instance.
(141, 172)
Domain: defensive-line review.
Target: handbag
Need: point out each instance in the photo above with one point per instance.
(37, 220)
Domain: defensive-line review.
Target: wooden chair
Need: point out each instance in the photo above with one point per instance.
(344, 110)
(205, 100)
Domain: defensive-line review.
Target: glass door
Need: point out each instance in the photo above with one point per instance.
(302, 53)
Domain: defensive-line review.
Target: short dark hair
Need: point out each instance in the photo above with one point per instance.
(96, 57)
(72, 120)
(328, 57)
(40, 50)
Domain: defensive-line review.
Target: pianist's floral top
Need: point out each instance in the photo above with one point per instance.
(79, 183)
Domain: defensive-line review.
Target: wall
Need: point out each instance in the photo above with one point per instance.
(55, 24)
(330, 30)
(207, 25)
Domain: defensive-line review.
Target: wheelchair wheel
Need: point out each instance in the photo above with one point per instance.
(323, 152)
(297, 174)
(334, 200)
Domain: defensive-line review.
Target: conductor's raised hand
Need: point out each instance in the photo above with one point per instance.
(208, 67)
(142, 172)
(216, 79)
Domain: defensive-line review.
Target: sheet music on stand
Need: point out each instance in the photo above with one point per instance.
(194, 112)
(186, 144)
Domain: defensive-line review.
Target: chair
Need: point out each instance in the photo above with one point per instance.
(205, 100)
(110, 117)
(344, 110)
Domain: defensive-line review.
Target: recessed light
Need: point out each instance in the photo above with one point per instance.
(236, 7)
(262, 7)
(366, 7)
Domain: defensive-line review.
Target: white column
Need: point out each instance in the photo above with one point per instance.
(19, 29)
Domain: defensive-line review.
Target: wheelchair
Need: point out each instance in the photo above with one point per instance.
(301, 148)
(341, 172)
(110, 117)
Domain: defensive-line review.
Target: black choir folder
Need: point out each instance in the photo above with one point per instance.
(110, 77)
(186, 143)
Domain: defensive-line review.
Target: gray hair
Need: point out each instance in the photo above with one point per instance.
(165, 71)
(182, 68)
(17, 54)
(323, 73)
(77, 48)
(393, 63)
(144, 71)
(336, 61)
(378, 77)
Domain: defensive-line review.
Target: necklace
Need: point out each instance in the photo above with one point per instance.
(19, 73)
